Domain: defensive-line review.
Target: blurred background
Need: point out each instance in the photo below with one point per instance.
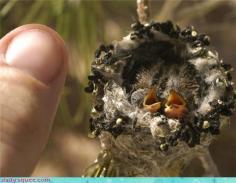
(84, 24)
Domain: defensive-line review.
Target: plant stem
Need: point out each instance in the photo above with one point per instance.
(143, 11)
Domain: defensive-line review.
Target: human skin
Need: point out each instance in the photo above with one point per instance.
(33, 67)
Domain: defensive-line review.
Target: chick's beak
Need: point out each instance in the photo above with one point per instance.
(175, 106)
(151, 102)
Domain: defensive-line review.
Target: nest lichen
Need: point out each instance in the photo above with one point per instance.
(160, 93)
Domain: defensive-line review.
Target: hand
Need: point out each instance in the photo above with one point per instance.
(33, 66)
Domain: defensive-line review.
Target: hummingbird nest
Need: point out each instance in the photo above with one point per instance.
(160, 94)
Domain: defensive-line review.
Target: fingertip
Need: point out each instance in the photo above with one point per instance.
(37, 50)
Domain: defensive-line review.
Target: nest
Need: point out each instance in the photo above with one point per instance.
(160, 93)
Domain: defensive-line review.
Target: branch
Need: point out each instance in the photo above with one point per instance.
(6, 9)
(143, 10)
(197, 11)
(168, 10)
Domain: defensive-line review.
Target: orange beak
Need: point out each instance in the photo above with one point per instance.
(151, 102)
(175, 106)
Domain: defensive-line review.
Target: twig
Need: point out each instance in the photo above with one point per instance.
(197, 11)
(168, 10)
(143, 10)
(6, 9)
